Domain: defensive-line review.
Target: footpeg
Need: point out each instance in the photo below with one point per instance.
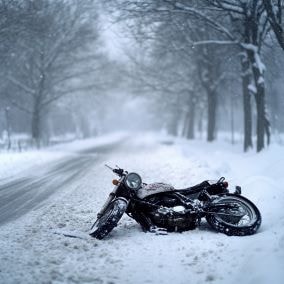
(158, 230)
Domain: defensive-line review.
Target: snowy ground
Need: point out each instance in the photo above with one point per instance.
(33, 249)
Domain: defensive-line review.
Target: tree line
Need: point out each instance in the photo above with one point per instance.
(198, 51)
(205, 66)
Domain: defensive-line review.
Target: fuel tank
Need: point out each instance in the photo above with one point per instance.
(154, 188)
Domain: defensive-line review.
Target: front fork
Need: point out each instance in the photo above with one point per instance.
(109, 200)
(106, 204)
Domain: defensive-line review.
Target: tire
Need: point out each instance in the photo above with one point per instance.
(105, 224)
(233, 225)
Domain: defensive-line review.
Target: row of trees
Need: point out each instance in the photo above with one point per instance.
(48, 50)
(198, 62)
(197, 51)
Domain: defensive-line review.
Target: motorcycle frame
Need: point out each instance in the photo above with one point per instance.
(138, 208)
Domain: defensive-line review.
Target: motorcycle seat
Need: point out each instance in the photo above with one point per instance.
(194, 189)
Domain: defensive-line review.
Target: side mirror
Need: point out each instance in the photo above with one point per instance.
(238, 190)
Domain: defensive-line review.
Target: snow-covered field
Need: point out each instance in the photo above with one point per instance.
(33, 248)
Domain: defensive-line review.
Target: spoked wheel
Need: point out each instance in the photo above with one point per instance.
(234, 215)
(105, 224)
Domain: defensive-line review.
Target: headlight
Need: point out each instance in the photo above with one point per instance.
(133, 181)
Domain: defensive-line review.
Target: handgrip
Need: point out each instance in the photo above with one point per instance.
(118, 171)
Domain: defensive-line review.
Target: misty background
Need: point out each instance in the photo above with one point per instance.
(196, 69)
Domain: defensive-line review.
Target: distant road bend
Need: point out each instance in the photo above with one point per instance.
(19, 196)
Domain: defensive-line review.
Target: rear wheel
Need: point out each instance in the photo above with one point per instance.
(105, 224)
(234, 215)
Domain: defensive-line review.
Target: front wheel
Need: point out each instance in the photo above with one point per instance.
(234, 215)
(105, 224)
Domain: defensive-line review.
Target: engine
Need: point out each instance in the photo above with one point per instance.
(176, 218)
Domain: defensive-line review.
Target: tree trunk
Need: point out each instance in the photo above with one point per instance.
(185, 125)
(262, 121)
(260, 106)
(212, 105)
(191, 119)
(37, 110)
(8, 127)
(232, 121)
(36, 133)
(247, 105)
(200, 123)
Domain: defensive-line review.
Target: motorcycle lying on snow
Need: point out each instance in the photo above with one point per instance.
(160, 208)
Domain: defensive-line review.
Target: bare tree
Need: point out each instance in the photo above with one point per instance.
(253, 24)
(252, 29)
(176, 32)
(54, 51)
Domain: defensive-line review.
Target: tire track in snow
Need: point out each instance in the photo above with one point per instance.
(19, 196)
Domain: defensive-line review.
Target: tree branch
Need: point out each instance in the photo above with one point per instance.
(21, 85)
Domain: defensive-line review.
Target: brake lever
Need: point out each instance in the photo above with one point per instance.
(109, 167)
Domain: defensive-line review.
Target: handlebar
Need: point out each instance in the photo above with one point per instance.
(120, 172)
(221, 179)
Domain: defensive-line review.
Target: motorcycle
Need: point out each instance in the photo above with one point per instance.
(160, 208)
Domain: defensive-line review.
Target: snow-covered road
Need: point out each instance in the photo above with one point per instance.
(33, 248)
(21, 194)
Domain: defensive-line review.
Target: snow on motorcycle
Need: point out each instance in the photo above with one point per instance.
(160, 208)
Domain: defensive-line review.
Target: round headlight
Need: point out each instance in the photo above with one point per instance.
(133, 181)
